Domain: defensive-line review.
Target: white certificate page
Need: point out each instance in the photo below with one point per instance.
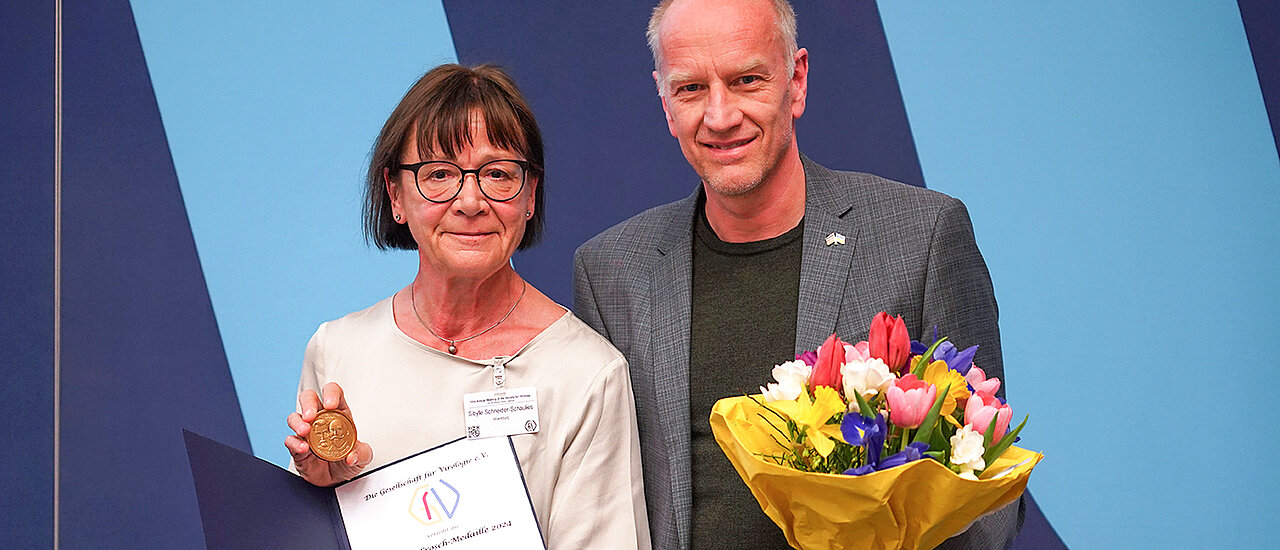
(464, 494)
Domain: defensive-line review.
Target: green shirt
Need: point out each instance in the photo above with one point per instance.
(743, 322)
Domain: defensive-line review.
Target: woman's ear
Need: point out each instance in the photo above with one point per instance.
(393, 193)
(533, 194)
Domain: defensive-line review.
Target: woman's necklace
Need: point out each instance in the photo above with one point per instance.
(453, 344)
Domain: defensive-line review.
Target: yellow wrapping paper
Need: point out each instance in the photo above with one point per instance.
(918, 505)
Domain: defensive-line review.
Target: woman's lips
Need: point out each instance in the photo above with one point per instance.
(470, 236)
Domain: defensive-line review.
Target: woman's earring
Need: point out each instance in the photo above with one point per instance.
(528, 213)
(397, 218)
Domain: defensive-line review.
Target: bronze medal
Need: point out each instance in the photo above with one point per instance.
(332, 436)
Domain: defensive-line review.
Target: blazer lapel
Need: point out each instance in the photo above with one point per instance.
(830, 240)
(671, 291)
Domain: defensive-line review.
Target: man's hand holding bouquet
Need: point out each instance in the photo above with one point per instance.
(887, 443)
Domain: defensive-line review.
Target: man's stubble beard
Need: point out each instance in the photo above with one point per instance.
(730, 187)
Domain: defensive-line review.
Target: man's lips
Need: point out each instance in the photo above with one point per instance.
(727, 145)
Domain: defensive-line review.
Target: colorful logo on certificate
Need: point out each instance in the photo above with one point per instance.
(434, 502)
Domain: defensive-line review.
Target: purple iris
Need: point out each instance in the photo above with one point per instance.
(809, 357)
(913, 452)
(867, 432)
(870, 434)
(959, 361)
(860, 470)
(918, 347)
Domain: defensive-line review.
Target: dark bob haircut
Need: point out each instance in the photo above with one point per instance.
(437, 109)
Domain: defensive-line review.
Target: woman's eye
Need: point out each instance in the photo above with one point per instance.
(438, 175)
(497, 174)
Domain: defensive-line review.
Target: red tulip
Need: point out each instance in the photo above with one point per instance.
(826, 372)
(889, 341)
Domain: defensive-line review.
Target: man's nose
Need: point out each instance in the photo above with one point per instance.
(722, 111)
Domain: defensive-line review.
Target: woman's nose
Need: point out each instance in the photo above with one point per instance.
(470, 199)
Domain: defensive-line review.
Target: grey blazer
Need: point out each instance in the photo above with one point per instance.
(907, 251)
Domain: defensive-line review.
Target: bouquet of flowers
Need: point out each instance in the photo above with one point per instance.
(887, 443)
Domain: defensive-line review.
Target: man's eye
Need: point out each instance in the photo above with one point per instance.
(749, 79)
(690, 88)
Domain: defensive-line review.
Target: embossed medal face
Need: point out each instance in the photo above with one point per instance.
(332, 436)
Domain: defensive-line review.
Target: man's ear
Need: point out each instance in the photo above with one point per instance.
(799, 83)
(671, 123)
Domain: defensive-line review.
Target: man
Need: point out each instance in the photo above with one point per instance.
(768, 257)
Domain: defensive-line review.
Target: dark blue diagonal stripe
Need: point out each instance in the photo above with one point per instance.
(1262, 26)
(141, 356)
(26, 272)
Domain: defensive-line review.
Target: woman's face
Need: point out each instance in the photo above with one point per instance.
(469, 236)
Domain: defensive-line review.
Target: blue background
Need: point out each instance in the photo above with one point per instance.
(1116, 158)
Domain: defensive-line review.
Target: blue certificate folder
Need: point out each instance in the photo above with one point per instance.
(247, 502)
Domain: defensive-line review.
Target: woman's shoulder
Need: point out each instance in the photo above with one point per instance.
(372, 318)
(577, 344)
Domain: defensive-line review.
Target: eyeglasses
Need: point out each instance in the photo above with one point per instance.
(440, 181)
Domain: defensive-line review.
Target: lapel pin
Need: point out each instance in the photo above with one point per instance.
(835, 239)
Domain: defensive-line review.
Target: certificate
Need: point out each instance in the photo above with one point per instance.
(469, 493)
(466, 494)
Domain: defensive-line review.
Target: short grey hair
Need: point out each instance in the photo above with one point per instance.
(784, 17)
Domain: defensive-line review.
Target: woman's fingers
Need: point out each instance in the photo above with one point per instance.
(309, 405)
(333, 398)
(299, 426)
(360, 456)
(298, 448)
(313, 468)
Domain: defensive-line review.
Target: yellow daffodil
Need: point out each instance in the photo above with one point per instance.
(811, 416)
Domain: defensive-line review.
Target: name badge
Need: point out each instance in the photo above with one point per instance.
(501, 412)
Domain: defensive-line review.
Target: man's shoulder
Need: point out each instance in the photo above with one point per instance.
(866, 192)
(641, 231)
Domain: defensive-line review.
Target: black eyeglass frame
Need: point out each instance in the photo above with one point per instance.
(524, 175)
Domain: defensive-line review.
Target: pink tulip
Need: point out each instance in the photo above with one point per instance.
(857, 352)
(888, 340)
(979, 411)
(981, 384)
(910, 400)
(826, 372)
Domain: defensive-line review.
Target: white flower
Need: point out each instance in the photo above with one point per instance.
(868, 377)
(966, 452)
(791, 378)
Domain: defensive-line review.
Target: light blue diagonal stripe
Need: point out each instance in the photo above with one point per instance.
(270, 110)
(1116, 160)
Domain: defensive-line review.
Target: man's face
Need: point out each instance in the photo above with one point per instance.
(726, 90)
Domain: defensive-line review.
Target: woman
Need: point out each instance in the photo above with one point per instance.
(456, 174)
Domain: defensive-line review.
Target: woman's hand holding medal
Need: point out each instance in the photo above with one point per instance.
(324, 445)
